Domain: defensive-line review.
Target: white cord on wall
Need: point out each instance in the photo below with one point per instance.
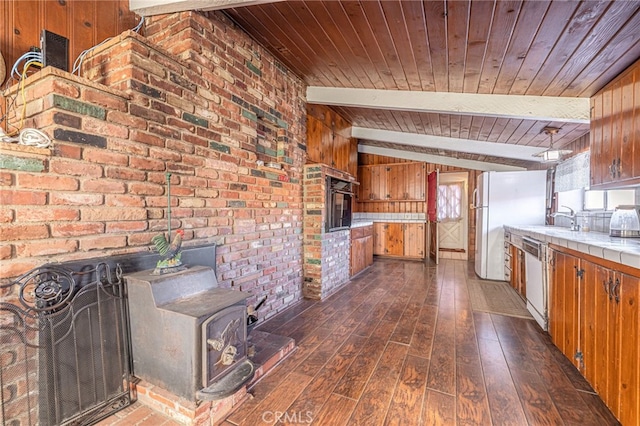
(27, 137)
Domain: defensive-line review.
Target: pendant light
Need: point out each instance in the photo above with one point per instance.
(551, 155)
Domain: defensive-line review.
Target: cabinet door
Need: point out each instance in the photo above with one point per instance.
(341, 152)
(378, 183)
(364, 189)
(626, 135)
(315, 130)
(395, 239)
(379, 238)
(368, 250)
(414, 240)
(396, 179)
(415, 181)
(357, 255)
(629, 344)
(563, 309)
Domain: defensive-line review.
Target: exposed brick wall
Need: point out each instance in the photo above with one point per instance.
(206, 116)
(326, 254)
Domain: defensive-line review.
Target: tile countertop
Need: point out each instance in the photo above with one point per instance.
(359, 223)
(620, 250)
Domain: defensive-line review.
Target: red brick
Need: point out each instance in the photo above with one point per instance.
(17, 197)
(146, 164)
(102, 156)
(94, 126)
(141, 238)
(123, 201)
(75, 168)
(15, 268)
(48, 214)
(164, 154)
(123, 118)
(75, 198)
(61, 149)
(147, 138)
(6, 215)
(104, 186)
(129, 226)
(112, 214)
(6, 251)
(52, 85)
(23, 232)
(6, 178)
(45, 247)
(128, 147)
(75, 229)
(47, 181)
(104, 99)
(144, 188)
(103, 242)
(119, 173)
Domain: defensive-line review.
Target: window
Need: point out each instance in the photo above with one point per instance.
(608, 200)
(450, 201)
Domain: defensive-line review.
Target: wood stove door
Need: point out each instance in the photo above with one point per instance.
(224, 342)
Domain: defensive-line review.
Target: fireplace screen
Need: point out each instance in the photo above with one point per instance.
(64, 347)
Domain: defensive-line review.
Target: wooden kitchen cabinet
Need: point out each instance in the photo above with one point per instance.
(361, 248)
(329, 141)
(615, 131)
(392, 182)
(598, 329)
(399, 239)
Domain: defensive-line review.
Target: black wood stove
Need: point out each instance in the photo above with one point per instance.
(188, 335)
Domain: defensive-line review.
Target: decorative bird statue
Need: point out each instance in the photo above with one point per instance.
(170, 252)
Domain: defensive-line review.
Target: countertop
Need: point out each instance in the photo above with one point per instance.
(615, 249)
(360, 223)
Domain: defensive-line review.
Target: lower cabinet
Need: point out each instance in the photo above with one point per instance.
(399, 239)
(361, 248)
(593, 314)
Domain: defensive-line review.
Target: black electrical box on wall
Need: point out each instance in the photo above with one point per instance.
(55, 50)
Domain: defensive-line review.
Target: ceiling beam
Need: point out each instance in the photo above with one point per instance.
(157, 7)
(544, 108)
(437, 159)
(450, 144)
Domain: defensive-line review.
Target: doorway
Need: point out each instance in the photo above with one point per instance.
(453, 217)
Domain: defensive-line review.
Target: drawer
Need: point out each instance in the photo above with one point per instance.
(357, 232)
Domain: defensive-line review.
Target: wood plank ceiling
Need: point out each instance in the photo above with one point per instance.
(533, 48)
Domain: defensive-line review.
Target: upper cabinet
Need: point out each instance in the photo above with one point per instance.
(329, 140)
(615, 131)
(392, 182)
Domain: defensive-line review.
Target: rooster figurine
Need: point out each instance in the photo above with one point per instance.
(170, 252)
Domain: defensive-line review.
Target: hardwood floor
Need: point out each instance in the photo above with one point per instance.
(400, 345)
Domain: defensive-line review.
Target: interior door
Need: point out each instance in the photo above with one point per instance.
(432, 215)
(453, 213)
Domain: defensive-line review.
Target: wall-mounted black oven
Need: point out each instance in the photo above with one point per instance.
(339, 194)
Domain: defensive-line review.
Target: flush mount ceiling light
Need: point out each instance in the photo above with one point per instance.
(551, 154)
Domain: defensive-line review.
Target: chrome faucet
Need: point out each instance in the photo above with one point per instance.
(571, 215)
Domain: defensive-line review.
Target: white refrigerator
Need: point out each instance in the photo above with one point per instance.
(505, 198)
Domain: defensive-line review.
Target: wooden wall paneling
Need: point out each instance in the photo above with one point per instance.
(84, 23)
(635, 135)
(314, 139)
(57, 19)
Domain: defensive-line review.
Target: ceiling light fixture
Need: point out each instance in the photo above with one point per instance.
(552, 155)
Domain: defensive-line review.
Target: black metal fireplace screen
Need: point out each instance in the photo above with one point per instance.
(64, 346)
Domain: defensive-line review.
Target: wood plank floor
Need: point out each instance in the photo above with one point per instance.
(400, 345)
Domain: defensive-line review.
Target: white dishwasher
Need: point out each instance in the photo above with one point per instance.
(536, 279)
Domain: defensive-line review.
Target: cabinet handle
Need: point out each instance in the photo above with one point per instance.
(619, 168)
(612, 169)
(607, 286)
(616, 291)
